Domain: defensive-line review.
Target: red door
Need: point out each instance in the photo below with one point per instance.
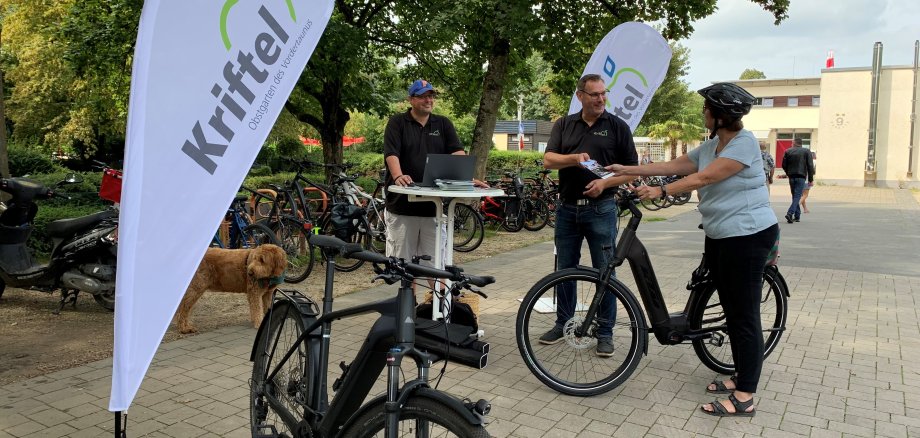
(781, 146)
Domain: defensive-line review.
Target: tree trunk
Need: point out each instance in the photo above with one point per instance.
(4, 152)
(673, 150)
(683, 148)
(492, 88)
(333, 125)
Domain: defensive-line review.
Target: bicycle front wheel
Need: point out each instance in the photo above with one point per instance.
(276, 403)
(716, 352)
(420, 416)
(569, 363)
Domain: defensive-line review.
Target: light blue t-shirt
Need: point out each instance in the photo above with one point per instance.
(740, 204)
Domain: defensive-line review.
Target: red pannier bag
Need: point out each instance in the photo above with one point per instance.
(110, 189)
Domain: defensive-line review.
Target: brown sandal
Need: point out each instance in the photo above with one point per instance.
(718, 410)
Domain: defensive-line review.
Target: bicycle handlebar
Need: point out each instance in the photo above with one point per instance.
(355, 251)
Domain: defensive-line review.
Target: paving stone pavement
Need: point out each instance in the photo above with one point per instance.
(848, 365)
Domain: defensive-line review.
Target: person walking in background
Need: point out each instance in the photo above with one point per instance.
(740, 226)
(800, 169)
(805, 196)
(769, 166)
(588, 209)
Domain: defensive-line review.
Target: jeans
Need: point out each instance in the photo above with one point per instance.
(596, 222)
(796, 185)
(736, 265)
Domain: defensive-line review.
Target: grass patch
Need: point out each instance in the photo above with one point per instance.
(654, 219)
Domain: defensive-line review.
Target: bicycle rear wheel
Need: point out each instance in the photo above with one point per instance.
(536, 214)
(361, 236)
(300, 252)
(254, 235)
(570, 364)
(716, 352)
(274, 406)
(419, 416)
(378, 228)
(468, 228)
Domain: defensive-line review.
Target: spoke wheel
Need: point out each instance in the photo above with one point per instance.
(417, 417)
(276, 404)
(716, 352)
(571, 365)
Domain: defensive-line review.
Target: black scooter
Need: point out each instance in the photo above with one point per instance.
(83, 251)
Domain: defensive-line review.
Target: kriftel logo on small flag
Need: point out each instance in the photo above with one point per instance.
(520, 135)
(830, 59)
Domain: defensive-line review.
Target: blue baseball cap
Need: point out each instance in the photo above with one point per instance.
(420, 87)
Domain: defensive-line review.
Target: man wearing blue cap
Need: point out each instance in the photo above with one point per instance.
(407, 141)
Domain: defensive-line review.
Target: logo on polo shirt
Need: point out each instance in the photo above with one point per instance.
(600, 133)
(435, 133)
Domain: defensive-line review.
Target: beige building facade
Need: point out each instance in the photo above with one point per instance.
(831, 116)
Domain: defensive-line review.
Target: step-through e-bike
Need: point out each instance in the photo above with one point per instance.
(571, 366)
(288, 390)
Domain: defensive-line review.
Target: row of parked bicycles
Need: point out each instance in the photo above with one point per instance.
(285, 214)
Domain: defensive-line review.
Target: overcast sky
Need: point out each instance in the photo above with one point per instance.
(741, 35)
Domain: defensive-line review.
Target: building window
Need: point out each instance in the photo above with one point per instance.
(780, 101)
(805, 101)
(767, 102)
(815, 100)
(792, 101)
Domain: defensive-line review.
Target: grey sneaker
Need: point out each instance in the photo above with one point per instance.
(604, 347)
(553, 336)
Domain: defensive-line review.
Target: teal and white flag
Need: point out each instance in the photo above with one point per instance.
(208, 81)
(633, 61)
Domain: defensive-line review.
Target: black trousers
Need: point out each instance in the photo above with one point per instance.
(737, 265)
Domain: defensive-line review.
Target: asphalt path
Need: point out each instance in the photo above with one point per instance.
(883, 239)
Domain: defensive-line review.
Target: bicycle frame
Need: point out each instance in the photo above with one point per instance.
(391, 338)
(669, 329)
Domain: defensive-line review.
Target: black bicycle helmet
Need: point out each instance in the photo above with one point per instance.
(728, 99)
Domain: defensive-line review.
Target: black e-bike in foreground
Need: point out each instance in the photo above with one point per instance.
(571, 366)
(288, 394)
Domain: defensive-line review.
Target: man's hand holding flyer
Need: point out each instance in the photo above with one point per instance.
(597, 169)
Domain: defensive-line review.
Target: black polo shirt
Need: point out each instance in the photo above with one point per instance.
(411, 142)
(608, 141)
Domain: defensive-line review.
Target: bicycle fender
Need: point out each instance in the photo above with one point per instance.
(288, 297)
(781, 279)
(420, 389)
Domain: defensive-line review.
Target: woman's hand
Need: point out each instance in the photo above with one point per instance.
(480, 184)
(619, 169)
(647, 192)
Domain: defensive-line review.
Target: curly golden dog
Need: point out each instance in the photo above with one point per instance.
(254, 272)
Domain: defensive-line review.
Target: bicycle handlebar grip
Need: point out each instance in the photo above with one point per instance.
(484, 280)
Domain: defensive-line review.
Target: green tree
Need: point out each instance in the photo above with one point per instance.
(674, 96)
(500, 35)
(4, 152)
(674, 131)
(346, 73)
(752, 73)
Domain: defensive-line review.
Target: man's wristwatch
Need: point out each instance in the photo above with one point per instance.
(664, 191)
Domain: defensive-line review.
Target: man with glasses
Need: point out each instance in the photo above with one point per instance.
(588, 209)
(408, 139)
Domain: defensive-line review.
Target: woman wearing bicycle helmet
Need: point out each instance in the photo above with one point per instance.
(740, 226)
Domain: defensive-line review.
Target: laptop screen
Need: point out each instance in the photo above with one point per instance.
(448, 166)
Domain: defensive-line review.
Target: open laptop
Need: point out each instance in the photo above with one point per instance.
(448, 166)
